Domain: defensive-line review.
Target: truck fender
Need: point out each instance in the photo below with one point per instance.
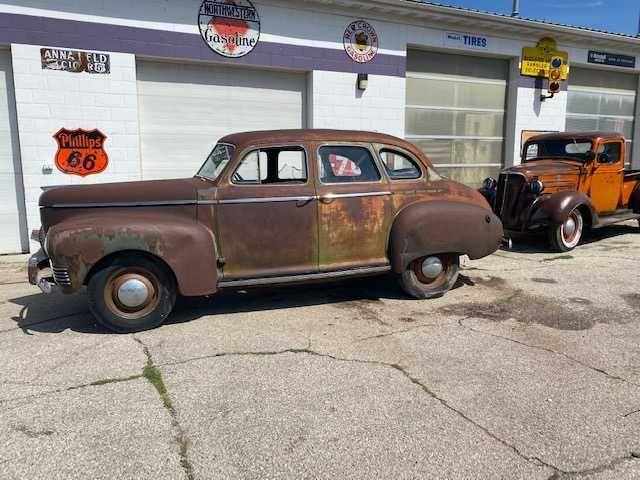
(433, 227)
(556, 208)
(184, 245)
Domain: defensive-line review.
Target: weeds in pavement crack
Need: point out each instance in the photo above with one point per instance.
(153, 374)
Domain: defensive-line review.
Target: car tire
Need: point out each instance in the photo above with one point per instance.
(131, 294)
(418, 285)
(567, 236)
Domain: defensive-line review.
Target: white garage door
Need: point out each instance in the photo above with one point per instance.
(185, 109)
(455, 112)
(602, 100)
(13, 235)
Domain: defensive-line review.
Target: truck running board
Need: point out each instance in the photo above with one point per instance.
(616, 218)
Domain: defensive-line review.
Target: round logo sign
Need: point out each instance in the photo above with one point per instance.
(230, 27)
(361, 41)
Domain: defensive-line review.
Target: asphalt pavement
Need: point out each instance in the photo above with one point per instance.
(528, 369)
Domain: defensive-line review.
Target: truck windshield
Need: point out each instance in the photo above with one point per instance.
(566, 148)
(216, 161)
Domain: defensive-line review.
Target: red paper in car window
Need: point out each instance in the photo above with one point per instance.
(343, 167)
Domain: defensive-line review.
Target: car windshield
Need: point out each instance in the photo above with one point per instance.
(566, 148)
(216, 161)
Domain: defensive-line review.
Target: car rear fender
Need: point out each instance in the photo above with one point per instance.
(433, 227)
(184, 245)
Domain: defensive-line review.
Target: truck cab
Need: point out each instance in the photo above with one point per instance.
(565, 184)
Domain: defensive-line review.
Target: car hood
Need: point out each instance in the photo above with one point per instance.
(547, 168)
(556, 175)
(152, 192)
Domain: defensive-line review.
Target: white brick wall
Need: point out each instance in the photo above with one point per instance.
(533, 114)
(336, 103)
(48, 100)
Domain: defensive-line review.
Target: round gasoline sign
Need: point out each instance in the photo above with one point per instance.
(360, 41)
(230, 28)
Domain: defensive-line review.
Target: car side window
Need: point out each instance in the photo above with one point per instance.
(609, 153)
(287, 165)
(399, 166)
(345, 164)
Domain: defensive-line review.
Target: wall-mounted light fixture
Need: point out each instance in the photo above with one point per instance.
(363, 81)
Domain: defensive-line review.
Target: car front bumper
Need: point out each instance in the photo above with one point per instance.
(39, 271)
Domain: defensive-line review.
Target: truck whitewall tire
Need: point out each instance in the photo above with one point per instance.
(567, 236)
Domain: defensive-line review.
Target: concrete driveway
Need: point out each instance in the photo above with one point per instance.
(529, 369)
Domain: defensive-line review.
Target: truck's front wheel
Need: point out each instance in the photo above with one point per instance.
(567, 236)
(131, 294)
(431, 276)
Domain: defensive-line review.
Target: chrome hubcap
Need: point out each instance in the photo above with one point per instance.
(133, 293)
(432, 267)
(569, 228)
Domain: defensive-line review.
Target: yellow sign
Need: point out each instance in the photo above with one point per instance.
(535, 60)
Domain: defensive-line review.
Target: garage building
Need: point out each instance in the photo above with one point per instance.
(160, 82)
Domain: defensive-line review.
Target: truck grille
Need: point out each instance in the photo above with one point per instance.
(508, 196)
(61, 277)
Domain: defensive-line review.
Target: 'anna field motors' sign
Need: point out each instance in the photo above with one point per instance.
(74, 61)
(229, 29)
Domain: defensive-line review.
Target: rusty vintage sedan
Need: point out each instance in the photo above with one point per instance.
(272, 207)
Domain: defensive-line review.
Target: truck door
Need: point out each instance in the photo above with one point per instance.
(606, 180)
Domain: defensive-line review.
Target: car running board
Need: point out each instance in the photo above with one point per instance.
(604, 221)
(256, 282)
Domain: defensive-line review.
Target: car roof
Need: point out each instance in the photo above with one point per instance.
(317, 135)
(576, 135)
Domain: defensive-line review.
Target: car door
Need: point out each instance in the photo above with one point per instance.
(606, 180)
(266, 215)
(354, 207)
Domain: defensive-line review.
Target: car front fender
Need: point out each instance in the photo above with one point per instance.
(184, 245)
(434, 227)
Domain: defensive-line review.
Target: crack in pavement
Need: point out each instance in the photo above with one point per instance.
(395, 332)
(95, 383)
(599, 469)
(154, 376)
(549, 350)
(533, 460)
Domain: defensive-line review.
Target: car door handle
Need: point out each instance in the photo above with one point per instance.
(326, 198)
(301, 202)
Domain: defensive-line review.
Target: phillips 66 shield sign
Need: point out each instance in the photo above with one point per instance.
(81, 152)
(230, 28)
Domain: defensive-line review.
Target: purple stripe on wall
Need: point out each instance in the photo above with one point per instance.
(53, 32)
(539, 83)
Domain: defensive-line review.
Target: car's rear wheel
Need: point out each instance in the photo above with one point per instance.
(132, 293)
(431, 276)
(567, 236)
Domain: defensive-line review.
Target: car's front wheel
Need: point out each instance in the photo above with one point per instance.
(132, 293)
(567, 236)
(431, 276)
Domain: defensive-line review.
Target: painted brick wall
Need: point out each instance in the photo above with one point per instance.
(336, 103)
(48, 100)
(532, 114)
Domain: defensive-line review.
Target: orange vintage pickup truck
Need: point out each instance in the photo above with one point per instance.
(567, 182)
